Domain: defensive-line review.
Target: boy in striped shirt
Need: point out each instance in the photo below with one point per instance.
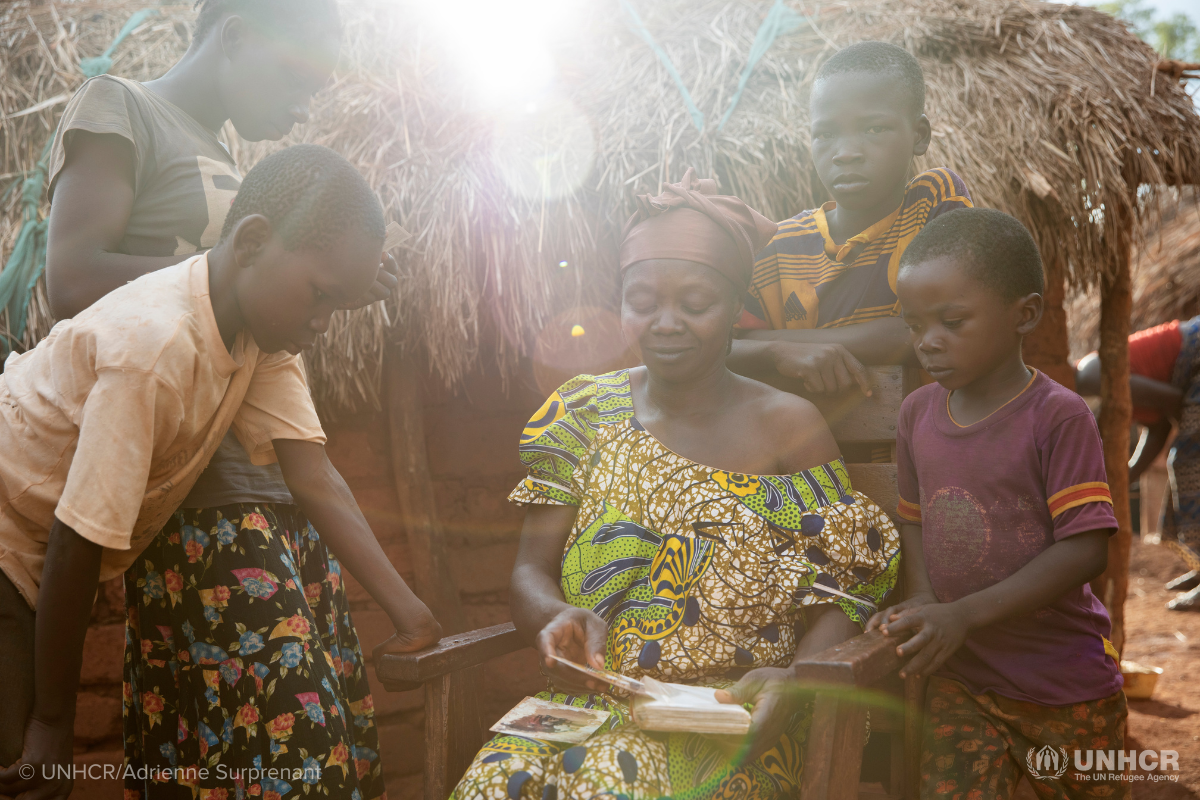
(1008, 514)
(822, 297)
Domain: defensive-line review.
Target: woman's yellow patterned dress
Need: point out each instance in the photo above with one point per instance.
(701, 574)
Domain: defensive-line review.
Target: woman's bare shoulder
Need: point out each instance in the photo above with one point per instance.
(791, 426)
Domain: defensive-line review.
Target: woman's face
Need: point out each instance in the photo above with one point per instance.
(677, 315)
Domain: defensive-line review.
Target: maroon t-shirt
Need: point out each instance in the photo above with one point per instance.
(989, 498)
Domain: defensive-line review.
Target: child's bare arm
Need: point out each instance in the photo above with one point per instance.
(918, 589)
(65, 597)
(93, 199)
(940, 628)
(330, 506)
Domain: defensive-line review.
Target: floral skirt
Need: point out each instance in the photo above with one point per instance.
(243, 674)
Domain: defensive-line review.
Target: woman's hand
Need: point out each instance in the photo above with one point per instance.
(776, 697)
(578, 635)
(46, 746)
(940, 629)
(881, 618)
(385, 282)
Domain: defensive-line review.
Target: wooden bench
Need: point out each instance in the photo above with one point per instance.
(451, 672)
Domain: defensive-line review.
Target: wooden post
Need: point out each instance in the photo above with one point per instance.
(452, 729)
(1116, 414)
(435, 583)
(833, 759)
(1048, 347)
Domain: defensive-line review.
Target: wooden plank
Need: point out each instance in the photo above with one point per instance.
(914, 713)
(878, 482)
(860, 661)
(1116, 409)
(833, 759)
(852, 416)
(451, 654)
(453, 732)
(434, 582)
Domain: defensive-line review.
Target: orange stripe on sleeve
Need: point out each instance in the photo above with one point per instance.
(1078, 495)
(909, 511)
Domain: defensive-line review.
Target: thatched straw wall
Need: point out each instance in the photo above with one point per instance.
(1054, 113)
(1166, 277)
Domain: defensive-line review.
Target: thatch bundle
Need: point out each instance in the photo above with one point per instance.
(1166, 277)
(1054, 113)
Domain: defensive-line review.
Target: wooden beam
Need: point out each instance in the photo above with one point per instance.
(434, 581)
(860, 661)
(1116, 411)
(1048, 348)
(833, 758)
(852, 416)
(453, 732)
(914, 730)
(451, 654)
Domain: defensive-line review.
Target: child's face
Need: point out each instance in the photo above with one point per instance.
(287, 297)
(267, 83)
(961, 329)
(864, 135)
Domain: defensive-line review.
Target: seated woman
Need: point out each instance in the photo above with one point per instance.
(638, 557)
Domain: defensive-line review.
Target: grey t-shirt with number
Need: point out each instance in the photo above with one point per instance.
(184, 184)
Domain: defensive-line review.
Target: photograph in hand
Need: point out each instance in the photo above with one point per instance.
(621, 682)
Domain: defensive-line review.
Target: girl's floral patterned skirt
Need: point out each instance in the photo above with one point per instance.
(243, 675)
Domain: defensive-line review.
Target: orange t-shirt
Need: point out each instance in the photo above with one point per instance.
(107, 423)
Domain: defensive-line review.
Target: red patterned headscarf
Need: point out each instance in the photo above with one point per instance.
(690, 221)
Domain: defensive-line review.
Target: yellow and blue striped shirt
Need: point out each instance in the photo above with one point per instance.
(804, 280)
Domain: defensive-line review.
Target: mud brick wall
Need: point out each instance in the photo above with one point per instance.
(471, 436)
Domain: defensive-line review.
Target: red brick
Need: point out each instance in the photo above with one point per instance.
(96, 718)
(484, 569)
(405, 787)
(99, 787)
(402, 747)
(103, 655)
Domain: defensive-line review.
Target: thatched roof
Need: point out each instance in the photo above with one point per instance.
(1054, 113)
(1165, 272)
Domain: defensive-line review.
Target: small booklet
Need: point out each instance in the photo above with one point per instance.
(550, 722)
(658, 706)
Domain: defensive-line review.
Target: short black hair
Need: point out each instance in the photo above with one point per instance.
(272, 16)
(879, 58)
(311, 195)
(990, 246)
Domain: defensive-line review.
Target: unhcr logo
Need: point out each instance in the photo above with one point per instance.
(1048, 763)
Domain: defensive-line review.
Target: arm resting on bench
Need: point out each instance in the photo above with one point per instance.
(451, 654)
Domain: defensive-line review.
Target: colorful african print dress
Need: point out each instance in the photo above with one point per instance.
(243, 672)
(701, 575)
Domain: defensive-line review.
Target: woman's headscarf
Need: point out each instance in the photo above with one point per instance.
(690, 221)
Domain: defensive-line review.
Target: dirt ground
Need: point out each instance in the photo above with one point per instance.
(1171, 640)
